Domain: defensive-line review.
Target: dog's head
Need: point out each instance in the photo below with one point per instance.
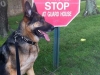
(35, 22)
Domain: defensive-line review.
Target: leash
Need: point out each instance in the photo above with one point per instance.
(17, 58)
(16, 35)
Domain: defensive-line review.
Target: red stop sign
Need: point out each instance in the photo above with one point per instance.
(58, 12)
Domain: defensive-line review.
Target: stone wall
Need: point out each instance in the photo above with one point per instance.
(15, 7)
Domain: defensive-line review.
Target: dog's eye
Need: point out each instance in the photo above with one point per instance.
(35, 19)
(42, 19)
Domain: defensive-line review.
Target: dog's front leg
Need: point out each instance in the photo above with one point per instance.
(10, 70)
(30, 71)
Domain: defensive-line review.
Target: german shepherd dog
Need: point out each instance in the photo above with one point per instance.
(32, 27)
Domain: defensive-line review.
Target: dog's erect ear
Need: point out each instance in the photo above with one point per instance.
(34, 9)
(28, 10)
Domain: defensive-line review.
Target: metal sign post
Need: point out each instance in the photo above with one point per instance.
(56, 48)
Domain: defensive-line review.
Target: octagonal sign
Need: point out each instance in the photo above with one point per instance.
(58, 12)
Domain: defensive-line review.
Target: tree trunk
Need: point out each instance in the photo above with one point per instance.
(91, 8)
(3, 18)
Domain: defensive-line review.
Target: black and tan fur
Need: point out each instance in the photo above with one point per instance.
(30, 27)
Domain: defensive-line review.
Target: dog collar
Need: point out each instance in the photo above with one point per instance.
(18, 35)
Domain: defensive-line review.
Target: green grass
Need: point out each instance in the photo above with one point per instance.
(76, 57)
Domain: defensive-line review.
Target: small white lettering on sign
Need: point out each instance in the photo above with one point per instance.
(56, 5)
(68, 13)
(57, 14)
(53, 14)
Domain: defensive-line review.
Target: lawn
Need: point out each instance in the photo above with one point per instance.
(76, 57)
